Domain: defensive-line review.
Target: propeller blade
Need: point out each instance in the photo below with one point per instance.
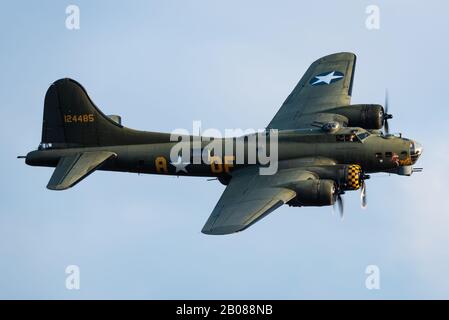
(335, 196)
(340, 206)
(363, 195)
(386, 114)
(386, 126)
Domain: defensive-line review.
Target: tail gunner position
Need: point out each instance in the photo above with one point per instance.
(326, 146)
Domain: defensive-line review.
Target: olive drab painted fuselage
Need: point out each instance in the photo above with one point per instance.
(375, 153)
(317, 146)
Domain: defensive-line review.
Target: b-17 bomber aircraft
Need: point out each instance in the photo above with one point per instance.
(324, 147)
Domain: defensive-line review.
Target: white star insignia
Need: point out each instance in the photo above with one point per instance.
(327, 79)
(179, 165)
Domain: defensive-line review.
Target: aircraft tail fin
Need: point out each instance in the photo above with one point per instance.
(71, 119)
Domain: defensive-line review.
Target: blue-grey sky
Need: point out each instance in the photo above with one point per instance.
(230, 64)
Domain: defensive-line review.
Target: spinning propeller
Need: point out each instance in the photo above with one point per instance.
(386, 115)
(338, 202)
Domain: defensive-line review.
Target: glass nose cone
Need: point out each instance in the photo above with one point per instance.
(415, 151)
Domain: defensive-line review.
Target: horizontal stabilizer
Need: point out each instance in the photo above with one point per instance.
(72, 169)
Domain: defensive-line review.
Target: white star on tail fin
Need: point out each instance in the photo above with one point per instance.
(327, 79)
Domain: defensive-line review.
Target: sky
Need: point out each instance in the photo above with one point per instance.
(230, 64)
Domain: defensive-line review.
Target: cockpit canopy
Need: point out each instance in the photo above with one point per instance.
(352, 135)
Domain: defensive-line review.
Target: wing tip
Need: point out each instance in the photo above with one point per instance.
(338, 56)
(57, 187)
(219, 231)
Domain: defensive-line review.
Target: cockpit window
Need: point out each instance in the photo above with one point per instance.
(45, 146)
(362, 136)
(346, 137)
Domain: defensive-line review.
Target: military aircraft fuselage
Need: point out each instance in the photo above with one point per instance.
(374, 152)
(317, 146)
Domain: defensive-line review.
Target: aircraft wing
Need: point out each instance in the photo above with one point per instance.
(325, 85)
(72, 169)
(250, 197)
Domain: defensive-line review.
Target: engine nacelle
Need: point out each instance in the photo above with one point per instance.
(314, 192)
(368, 116)
(353, 177)
(346, 176)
